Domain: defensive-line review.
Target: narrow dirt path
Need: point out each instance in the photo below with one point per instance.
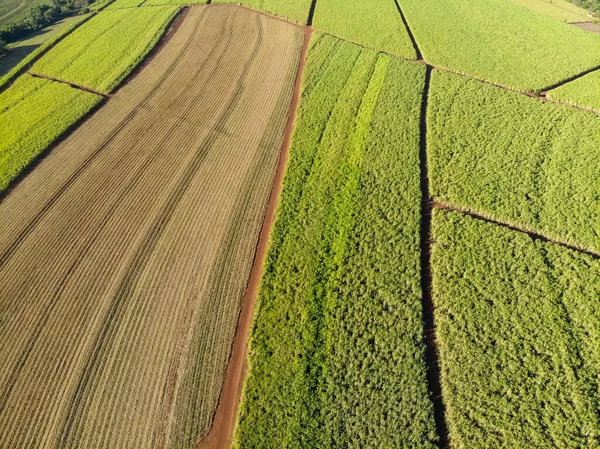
(533, 235)
(220, 435)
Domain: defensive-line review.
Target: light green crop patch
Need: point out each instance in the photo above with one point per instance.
(376, 24)
(583, 92)
(33, 114)
(500, 42)
(103, 51)
(337, 357)
(519, 160)
(120, 4)
(518, 332)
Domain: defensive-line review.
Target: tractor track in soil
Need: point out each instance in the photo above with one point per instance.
(221, 431)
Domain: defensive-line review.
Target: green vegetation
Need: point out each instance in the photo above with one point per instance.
(500, 42)
(583, 92)
(26, 51)
(15, 10)
(336, 351)
(518, 333)
(557, 9)
(99, 4)
(102, 52)
(294, 10)
(514, 158)
(376, 24)
(41, 16)
(118, 4)
(33, 114)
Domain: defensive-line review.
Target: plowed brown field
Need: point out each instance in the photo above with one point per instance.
(124, 256)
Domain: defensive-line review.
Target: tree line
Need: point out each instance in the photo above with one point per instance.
(41, 16)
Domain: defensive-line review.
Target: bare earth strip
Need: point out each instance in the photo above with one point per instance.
(124, 256)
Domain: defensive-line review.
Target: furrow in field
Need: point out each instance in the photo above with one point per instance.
(118, 272)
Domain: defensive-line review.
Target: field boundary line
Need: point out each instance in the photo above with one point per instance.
(431, 355)
(69, 83)
(543, 92)
(42, 53)
(311, 13)
(409, 31)
(513, 227)
(220, 434)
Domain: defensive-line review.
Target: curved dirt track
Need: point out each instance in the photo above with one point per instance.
(124, 256)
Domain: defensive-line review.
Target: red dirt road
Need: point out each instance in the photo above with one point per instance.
(220, 435)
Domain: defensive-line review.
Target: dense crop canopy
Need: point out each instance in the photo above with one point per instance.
(119, 4)
(518, 329)
(583, 92)
(517, 159)
(337, 353)
(102, 52)
(376, 24)
(500, 42)
(33, 114)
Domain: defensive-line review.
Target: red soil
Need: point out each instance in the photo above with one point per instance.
(220, 434)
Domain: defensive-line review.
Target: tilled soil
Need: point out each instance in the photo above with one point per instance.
(125, 255)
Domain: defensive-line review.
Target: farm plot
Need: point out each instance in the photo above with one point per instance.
(119, 4)
(583, 92)
(34, 113)
(516, 159)
(337, 358)
(294, 10)
(562, 10)
(124, 255)
(22, 53)
(500, 42)
(518, 334)
(376, 24)
(102, 52)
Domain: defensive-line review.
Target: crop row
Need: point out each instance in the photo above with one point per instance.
(125, 254)
(103, 51)
(34, 113)
(518, 334)
(516, 159)
(39, 50)
(337, 358)
(500, 42)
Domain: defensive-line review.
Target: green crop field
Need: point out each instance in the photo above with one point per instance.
(301, 224)
(376, 24)
(294, 10)
(518, 332)
(514, 158)
(33, 114)
(557, 9)
(102, 52)
(336, 353)
(500, 42)
(583, 92)
(22, 53)
(119, 4)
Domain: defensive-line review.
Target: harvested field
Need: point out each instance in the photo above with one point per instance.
(592, 27)
(124, 255)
